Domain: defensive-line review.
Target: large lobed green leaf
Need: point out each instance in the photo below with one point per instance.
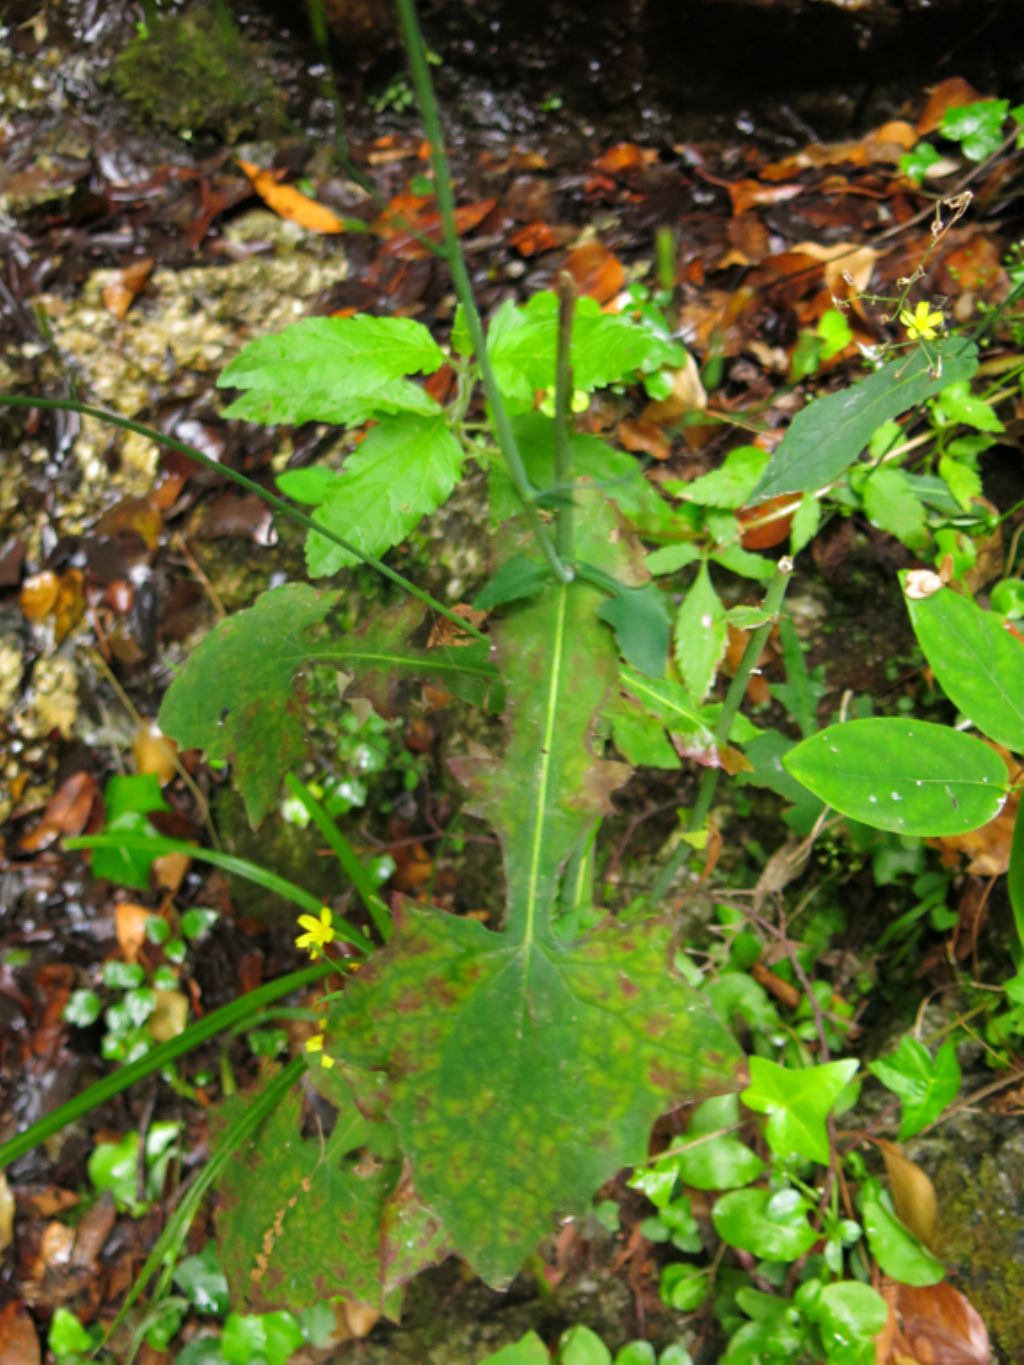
(826, 437)
(523, 1071)
(303, 1220)
(979, 664)
(340, 370)
(523, 1074)
(404, 470)
(238, 699)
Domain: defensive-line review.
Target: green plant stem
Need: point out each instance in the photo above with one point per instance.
(563, 415)
(345, 854)
(161, 1056)
(730, 708)
(423, 85)
(11, 400)
(173, 1236)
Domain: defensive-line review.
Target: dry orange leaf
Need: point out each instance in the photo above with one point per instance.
(120, 294)
(624, 156)
(19, 1344)
(533, 238)
(935, 1325)
(67, 812)
(288, 202)
(597, 271)
(154, 752)
(913, 1194)
(949, 94)
(130, 925)
(842, 260)
(642, 437)
(748, 194)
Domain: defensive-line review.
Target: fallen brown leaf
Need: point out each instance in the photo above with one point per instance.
(913, 1194)
(597, 271)
(19, 1343)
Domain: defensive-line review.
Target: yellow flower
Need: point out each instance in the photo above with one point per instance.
(316, 1044)
(924, 322)
(319, 932)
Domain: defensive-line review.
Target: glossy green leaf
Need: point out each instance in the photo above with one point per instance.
(683, 1286)
(848, 1312)
(700, 636)
(908, 776)
(404, 470)
(797, 1102)
(759, 1222)
(269, 1337)
(237, 696)
(978, 663)
(128, 800)
(978, 127)
(1015, 878)
(580, 1346)
(203, 1282)
(924, 1085)
(324, 1221)
(826, 437)
(898, 1252)
(522, 1071)
(721, 1163)
(528, 1350)
(340, 370)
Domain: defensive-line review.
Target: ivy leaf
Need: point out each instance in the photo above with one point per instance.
(907, 776)
(404, 470)
(977, 127)
(797, 1103)
(916, 163)
(237, 697)
(898, 1252)
(769, 1227)
(979, 664)
(340, 370)
(128, 800)
(522, 1071)
(701, 635)
(319, 1226)
(925, 1086)
(826, 437)
(716, 1163)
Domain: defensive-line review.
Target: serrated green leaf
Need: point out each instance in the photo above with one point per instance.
(339, 370)
(670, 558)
(324, 1220)
(672, 705)
(963, 481)
(701, 635)
(956, 404)
(523, 345)
(618, 475)
(797, 1103)
(826, 437)
(641, 739)
(404, 470)
(925, 1086)
(907, 776)
(892, 506)
(898, 1252)
(742, 562)
(729, 486)
(978, 663)
(744, 1219)
(237, 697)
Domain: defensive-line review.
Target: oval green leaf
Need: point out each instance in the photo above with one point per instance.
(907, 776)
(979, 664)
(742, 1218)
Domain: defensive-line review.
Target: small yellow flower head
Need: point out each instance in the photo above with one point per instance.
(316, 1044)
(924, 323)
(319, 932)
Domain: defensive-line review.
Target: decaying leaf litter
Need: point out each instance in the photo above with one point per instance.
(114, 555)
